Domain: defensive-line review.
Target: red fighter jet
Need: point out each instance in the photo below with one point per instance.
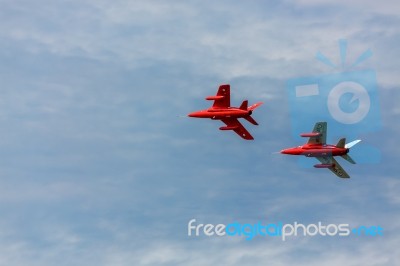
(317, 147)
(222, 110)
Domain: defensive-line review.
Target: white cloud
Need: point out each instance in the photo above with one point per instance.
(86, 106)
(273, 251)
(229, 42)
(388, 7)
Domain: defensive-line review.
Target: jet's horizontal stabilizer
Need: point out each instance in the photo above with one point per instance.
(348, 158)
(244, 104)
(341, 143)
(251, 120)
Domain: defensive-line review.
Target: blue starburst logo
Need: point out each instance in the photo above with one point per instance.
(347, 99)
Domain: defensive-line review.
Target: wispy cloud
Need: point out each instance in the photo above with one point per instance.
(97, 169)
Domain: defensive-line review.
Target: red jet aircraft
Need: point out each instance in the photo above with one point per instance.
(317, 147)
(222, 110)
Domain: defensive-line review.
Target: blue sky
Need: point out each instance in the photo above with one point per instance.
(97, 168)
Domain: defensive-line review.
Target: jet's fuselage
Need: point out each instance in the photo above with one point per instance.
(316, 150)
(219, 113)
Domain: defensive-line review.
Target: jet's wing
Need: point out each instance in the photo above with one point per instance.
(223, 97)
(320, 127)
(336, 168)
(235, 125)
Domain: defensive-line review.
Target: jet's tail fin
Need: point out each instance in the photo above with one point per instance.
(254, 106)
(250, 109)
(351, 144)
(348, 158)
(348, 146)
(341, 143)
(244, 105)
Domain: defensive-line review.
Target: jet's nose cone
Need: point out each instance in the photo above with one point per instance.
(193, 114)
(283, 151)
(196, 114)
(287, 151)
